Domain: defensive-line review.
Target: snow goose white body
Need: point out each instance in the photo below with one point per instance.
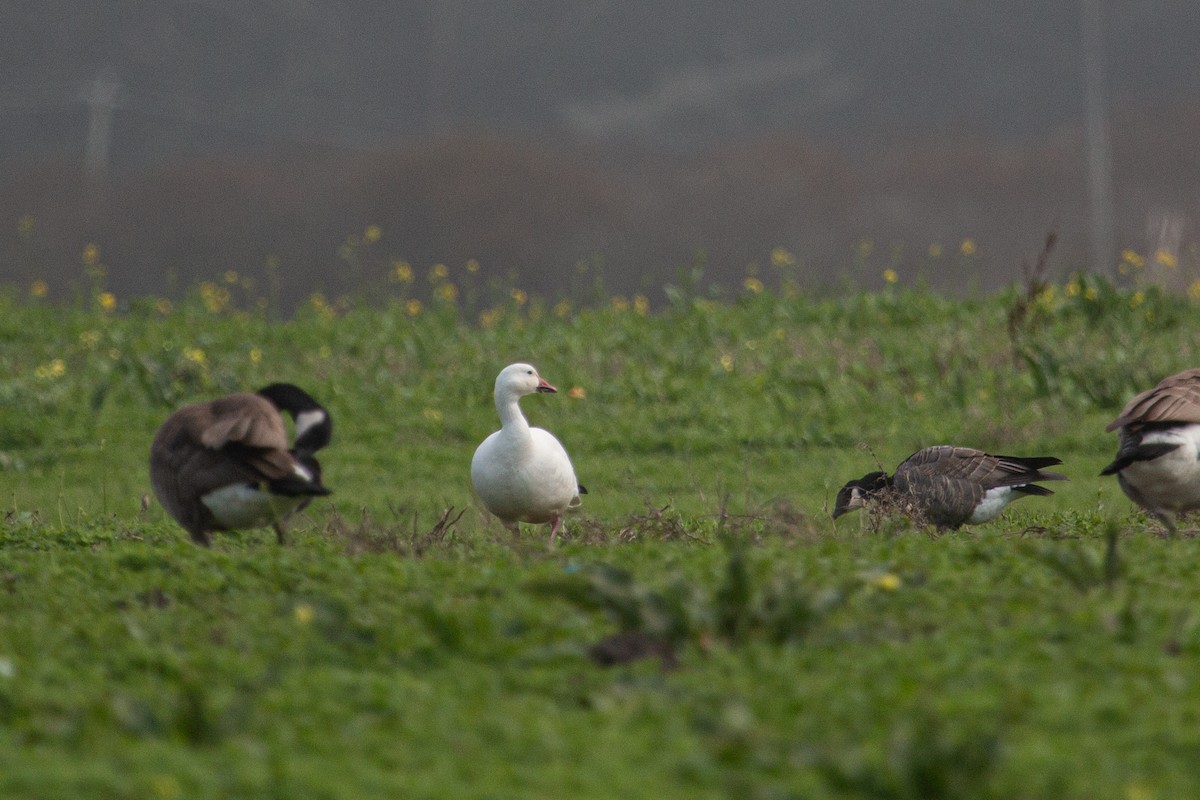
(521, 473)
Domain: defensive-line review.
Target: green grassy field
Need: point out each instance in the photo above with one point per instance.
(1052, 653)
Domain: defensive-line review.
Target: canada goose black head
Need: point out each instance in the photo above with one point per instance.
(314, 426)
(226, 464)
(855, 494)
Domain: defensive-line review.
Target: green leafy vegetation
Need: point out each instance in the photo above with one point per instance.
(406, 645)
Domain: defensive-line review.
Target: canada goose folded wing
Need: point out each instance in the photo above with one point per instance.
(976, 467)
(242, 418)
(1174, 399)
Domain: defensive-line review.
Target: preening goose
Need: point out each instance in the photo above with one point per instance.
(951, 486)
(523, 474)
(1158, 448)
(225, 464)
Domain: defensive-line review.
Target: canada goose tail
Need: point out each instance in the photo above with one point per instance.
(1141, 452)
(1032, 489)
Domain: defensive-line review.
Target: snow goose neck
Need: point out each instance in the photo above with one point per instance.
(225, 464)
(521, 473)
(951, 486)
(1158, 448)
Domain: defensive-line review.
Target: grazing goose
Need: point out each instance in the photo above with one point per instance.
(225, 464)
(1158, 448)
(951, 486)
(523, 474)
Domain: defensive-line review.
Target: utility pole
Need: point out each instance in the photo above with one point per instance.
(102, 98)
(1102, 238)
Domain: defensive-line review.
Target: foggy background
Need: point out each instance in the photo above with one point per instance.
(191, 138)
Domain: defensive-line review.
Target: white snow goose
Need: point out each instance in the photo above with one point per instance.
(950, 486)
(225, 464)
(523, 474)
(1158, 448)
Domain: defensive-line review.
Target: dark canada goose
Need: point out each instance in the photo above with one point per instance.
(951, 486)
(225, 464)
(1158, 448)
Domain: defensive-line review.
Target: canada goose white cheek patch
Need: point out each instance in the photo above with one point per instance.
(306, 420)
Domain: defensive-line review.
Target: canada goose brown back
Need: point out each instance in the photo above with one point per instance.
(1158, 447)
(226, 464)
(951, 486)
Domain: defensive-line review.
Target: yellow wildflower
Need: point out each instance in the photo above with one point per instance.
(303, 613)
(402, 272)
(1091, 293)
(1165, 257)
(577, 393)
(166, 787)
(753, 285)
(890, 275)
(726, 361)
(967, 248)
(1193, 290)
(107, 301)
(519, 296)
(781, 258)
(562, 309)
(216, 298)
(89, 339)
(1133, 259)
(372, 234)
(231, 276)
(255, 355)
(163, 306)
(195, 355)
(472, 266)
(91, 255)
(887, 581)
(620, 303)
(55, 368)
(1071, 289)
(641, 304)
(447, 292)
(1139, 297)
(1138, 791)
(412, 307)
(439, 272)
(39, 289)
(489, 317)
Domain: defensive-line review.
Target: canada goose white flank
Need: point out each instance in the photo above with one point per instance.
(951, 486)
(1158, 448)
(523, 474)
(225, 464)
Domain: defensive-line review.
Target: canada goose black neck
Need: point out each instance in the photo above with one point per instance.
(314, 426)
